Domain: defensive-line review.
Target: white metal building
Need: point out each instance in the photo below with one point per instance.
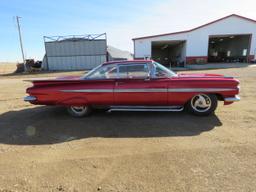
(115, 54)
(229, 39)
(75, 52)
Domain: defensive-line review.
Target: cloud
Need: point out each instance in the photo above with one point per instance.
(173, 15)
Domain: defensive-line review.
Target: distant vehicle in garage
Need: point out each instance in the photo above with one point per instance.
(138, 85)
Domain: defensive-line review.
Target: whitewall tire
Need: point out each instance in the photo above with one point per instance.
(79, 111)
(202, 104)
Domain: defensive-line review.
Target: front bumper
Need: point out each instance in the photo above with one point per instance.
(232, 99)
(30, 98)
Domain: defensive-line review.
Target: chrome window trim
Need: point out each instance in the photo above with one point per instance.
(151, 68)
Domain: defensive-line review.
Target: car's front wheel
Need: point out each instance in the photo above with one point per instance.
(203, 104)
(79, 111)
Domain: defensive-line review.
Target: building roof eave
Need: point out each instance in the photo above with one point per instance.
(201, 26)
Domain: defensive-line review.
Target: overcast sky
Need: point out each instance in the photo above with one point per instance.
(121, 20)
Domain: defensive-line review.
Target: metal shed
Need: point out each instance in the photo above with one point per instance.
(75, 52)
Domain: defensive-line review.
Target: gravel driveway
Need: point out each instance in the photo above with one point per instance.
(44, 149)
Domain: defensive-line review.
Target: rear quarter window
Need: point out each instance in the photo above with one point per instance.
(133, 71)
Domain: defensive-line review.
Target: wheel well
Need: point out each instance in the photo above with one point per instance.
(219, 97)
(73, 101)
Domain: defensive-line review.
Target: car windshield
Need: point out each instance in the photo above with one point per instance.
(135, 70)
(161, 71)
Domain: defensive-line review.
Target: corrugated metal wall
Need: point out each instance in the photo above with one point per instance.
(75, 54)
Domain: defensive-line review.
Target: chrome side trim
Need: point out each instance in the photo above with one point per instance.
(146, 108)
(29, 98)
(149, 90)
(115, 90)
(88, 91)
(183, 90)
(153, 110)
(232, 99)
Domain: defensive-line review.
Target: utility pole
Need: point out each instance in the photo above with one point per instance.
(21, 45)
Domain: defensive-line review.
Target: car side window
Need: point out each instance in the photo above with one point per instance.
(133, 71)
(104, 72)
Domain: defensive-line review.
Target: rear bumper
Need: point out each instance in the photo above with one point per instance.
(232, 99)
(29, 98)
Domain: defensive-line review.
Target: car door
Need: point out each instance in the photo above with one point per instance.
(135, 87)
(98, 87)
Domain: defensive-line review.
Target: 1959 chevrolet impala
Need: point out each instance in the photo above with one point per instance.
(138, 85)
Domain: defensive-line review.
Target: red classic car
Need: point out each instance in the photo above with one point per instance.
(138, 85)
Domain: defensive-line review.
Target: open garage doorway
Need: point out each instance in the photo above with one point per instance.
(229, 48)
(169, 53)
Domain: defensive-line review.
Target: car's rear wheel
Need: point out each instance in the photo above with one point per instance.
(79, 111)
(203, 104)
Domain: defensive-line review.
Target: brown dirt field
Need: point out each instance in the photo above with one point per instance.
(44, 149)
(6, 68)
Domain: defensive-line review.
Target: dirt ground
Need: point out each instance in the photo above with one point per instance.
(6, 68)
(44, 149)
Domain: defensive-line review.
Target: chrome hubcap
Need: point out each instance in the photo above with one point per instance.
(201, 103)
(79, 109)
